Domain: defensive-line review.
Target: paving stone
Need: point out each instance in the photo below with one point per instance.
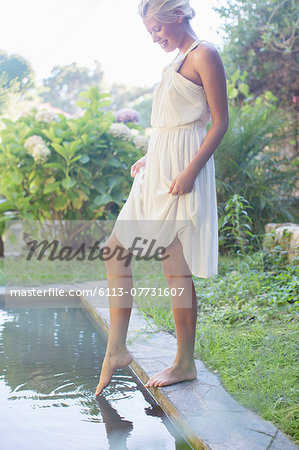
(149, 338)
(204, 376)
(280, 442)
(190, 405)
(162, 339)
(217, 399)
(200, 366)
(104, 314)
(223, 431)
(167, 359)
(200, 390)
(137, 322)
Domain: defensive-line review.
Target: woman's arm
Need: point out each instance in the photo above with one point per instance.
(208, 65)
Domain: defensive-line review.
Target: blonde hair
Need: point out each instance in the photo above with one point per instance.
(164, 10)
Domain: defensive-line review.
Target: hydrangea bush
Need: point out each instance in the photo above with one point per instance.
(56, 168)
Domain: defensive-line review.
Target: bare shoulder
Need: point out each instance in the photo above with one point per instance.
(206, 52)
(207, 62)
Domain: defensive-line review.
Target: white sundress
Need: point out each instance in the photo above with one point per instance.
(180, 115)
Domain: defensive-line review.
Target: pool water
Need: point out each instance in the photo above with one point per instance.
(49, 369)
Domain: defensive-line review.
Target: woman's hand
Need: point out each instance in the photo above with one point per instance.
(137, 166)
(182, 184)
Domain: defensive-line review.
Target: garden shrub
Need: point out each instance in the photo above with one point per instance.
(66, 169)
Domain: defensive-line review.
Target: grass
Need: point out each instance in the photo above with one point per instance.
(16, 270)
(257, 367)
(247, 327)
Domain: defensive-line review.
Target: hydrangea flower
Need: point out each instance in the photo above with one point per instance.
(36, 147)
(121, 131)
(127, 115)
(141, 142)
(46, 116)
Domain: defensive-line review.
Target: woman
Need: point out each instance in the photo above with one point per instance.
(173, 197)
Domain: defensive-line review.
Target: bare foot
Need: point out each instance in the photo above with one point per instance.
(112, 361)
(171, 375)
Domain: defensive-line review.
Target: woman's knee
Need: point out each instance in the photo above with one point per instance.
(175, 264)
(115, 253)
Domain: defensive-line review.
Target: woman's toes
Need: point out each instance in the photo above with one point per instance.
(157, 382)
(150, 382)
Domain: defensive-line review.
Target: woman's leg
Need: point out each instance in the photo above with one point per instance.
(184, 309)
(119, 276)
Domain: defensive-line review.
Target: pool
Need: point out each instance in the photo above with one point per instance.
(49, 369)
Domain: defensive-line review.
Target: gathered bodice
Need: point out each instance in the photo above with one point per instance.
(178, 101)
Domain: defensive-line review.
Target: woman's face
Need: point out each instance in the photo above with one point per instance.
(167, 35)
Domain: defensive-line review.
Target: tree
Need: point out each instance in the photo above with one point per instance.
(67, 82)
(16, 78)
(262, 38)
(16, 69)
(124, 96)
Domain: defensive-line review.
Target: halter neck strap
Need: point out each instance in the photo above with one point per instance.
(192, 46)
(181, 56)
(179, 59)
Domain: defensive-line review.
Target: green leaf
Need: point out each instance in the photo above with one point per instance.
(17, 177)
(86, 173)
(232, 93)
(51, 187)
(62, 118)
(83, 103)
(82, 195)
(244, 89)
(22, 203)
(54, 166)
(84, 159)
(68, 183)
(104, 95)
(73, 126)
(113, 181)
(6, 206)
(102, 199)
(105, 103)
(60, 202)
(50, 134)
(77, 203)
(85, 139)
(100, 185)
(113, 162)
(75, 159)
(61, 150)
(74, 146)
(117, 195)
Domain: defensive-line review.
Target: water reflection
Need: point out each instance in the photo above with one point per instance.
(49, 367)
(117, 428)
